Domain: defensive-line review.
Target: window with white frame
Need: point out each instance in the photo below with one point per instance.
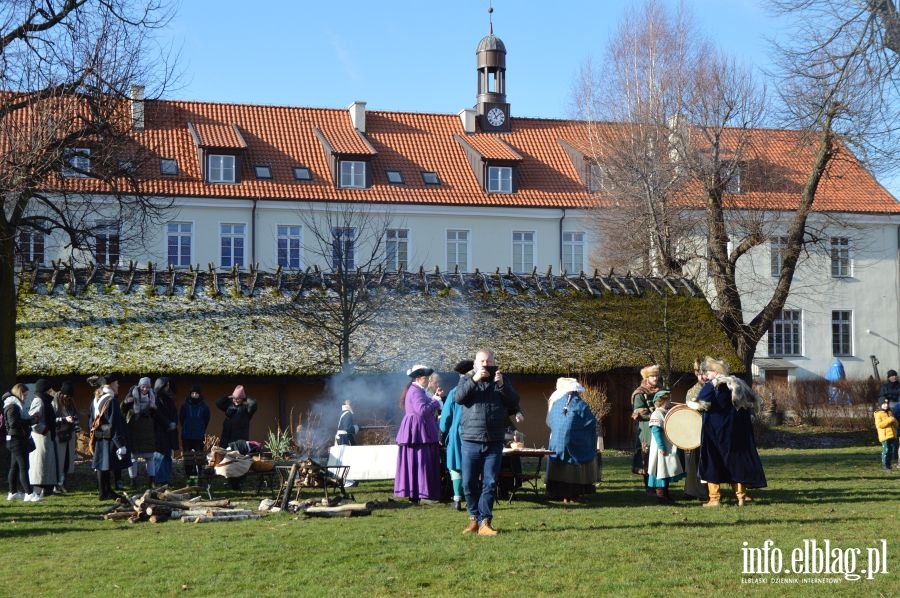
(785, 334)
(499, 179)
(179, 239)
(840, 257)
(573, 252)
(733, 184)
(397, 249)
(221, 168)
(777, 247)
(523, 251)
(106, 243)
(353, 174)
(842, 333)
(343, 248)
(231, 243)
(289, 242)
(77, 162)
(30, 248)
(458, 250)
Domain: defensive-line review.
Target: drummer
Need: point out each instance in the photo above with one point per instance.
(693, 486)
(664, 466)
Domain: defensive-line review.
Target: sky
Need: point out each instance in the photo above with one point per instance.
(418, 55)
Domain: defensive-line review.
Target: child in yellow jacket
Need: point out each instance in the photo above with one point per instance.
(886, 425)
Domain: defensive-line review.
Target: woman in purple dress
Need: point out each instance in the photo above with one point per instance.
(418, 456)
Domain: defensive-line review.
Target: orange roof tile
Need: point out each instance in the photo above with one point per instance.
(284, 137)
(218, 135)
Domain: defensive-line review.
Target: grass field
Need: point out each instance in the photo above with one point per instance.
(617, 544)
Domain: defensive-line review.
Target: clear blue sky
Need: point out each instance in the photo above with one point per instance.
(417, 55)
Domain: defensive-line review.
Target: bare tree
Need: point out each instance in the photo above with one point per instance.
(68, 155)
(354, 247)
(630, 105)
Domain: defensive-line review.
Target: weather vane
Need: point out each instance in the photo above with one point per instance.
(491, 18)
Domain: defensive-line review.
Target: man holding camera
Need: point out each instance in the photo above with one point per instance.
(486, 399)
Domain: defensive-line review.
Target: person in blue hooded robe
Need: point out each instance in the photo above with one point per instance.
(572, 468)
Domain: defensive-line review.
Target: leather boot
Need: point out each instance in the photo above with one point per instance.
(472, 527)
(100, 494)
(485, 529)
(714, 495)
(661, 497)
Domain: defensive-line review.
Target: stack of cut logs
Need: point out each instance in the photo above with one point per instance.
(156, 507)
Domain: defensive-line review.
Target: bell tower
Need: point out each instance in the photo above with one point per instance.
(491, 108)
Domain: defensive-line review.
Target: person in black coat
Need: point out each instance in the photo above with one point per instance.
(18, 434)
(165, 429)
(239, 410)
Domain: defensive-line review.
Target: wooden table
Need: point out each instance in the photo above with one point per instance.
(529, 479)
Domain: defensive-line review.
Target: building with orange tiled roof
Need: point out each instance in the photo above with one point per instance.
(481, 190)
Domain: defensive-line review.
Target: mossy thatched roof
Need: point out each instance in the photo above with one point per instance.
(244, 323)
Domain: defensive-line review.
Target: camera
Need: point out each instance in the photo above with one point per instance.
(491, 370)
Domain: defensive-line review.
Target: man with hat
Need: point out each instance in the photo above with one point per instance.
(727, 444)
(487, 399)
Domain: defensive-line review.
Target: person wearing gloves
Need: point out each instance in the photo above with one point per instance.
(886, 425)
(346, 429)
(165, 429)
(108, 435)
(572, 468)
(664, 467)
(67, 429)
(42, 470)
(239, 410)
(418, 452)
(139, 410)
(487, 398)
(18, 442)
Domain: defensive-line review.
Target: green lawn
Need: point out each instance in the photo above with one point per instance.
(618, 544)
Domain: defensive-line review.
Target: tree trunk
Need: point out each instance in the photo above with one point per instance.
(8, 360)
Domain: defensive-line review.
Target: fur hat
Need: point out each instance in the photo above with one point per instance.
(715, 365)
(67, 388)
(42, 385)
(419, 370)
(650, 370)
(238, 392)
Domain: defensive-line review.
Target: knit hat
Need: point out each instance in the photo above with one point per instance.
(67, 388)
(650, 370)
(891, 373)
(145, 381)
(238, 392)
(419, 370)
(195, 388)
(661, 396)
(715, 365)
(42, 385)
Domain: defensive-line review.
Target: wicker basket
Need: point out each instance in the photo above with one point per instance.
(261, 464)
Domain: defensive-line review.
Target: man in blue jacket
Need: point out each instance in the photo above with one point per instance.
(487, 399)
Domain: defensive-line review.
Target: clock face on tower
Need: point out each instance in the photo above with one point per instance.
(496, 117)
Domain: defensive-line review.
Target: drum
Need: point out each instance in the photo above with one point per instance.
(682, 427)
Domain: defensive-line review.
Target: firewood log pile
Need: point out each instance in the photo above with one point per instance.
(158, 506)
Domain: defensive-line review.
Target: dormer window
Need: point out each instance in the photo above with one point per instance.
(77, 162)
(302, 173)
(353, 174)
(221, 168)
(394, 177)
(168, 167)
(734, 182)
(499, 179)
(430, 177)
(595, 178)
(263, 172)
